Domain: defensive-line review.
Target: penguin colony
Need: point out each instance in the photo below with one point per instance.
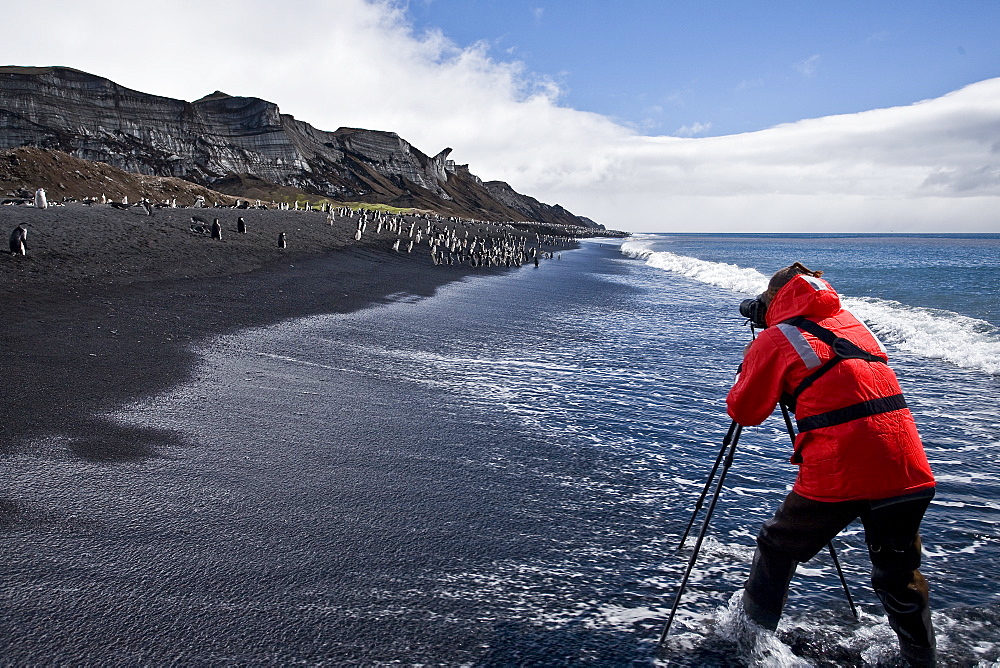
(447, 239)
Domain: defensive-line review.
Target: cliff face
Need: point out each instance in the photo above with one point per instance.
(531, 209)
(223, 142)
(24, 169)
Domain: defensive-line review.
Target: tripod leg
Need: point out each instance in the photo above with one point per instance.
(708, 483)
(704, 528)
(843, 581)
(833, 553)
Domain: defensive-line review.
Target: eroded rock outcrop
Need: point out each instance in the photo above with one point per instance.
(223, 141)
(531, 209)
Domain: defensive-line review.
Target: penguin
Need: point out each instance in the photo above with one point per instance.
(281, 240)
(18, 240)
(241, 225)
(216, 230)
(40, 201)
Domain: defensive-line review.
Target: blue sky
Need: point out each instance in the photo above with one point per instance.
(715, 68)
(645, 116)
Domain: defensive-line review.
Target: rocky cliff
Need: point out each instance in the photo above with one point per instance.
(531, 209)
(242, 144)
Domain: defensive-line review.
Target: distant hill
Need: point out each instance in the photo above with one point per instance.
(244, 147)
(65, 176)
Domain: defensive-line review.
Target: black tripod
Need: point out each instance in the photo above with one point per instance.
(725, 457)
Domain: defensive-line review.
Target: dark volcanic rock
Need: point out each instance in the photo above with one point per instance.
(24, 169)
(224, 142)
(532, 209)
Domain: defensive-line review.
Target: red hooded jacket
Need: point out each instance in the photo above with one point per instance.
(873, 457)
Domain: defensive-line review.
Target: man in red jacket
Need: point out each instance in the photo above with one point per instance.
(858, 452)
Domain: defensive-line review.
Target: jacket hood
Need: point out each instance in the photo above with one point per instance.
(804, 295)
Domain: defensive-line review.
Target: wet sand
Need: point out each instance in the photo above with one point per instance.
(107, 304)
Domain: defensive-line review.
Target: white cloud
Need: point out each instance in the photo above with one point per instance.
(924, 167)
(695, 128)
(807, 67)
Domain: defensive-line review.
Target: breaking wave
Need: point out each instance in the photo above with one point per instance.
(933, 333)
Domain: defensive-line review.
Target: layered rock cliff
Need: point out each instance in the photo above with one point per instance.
(531, 209)
(234, 144)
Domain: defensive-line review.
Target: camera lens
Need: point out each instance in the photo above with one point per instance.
(754, 311)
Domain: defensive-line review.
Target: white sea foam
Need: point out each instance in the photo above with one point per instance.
(761, 646)
(620, 617)
(933, 333)
(733, 277)
(961, 340)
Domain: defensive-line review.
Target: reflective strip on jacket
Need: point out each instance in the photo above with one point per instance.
(873, 457)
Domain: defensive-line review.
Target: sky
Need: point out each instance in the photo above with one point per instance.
(644, 115)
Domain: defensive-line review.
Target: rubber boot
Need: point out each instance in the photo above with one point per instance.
(912, 624)
(918, 657)
(767, 588)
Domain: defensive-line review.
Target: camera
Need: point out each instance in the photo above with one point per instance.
(754, 311)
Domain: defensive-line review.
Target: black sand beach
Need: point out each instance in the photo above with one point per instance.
(322, 541)
(107, 302)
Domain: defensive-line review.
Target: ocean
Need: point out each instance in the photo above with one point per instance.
(499, 475)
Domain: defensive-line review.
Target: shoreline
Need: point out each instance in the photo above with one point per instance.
(90, 326)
